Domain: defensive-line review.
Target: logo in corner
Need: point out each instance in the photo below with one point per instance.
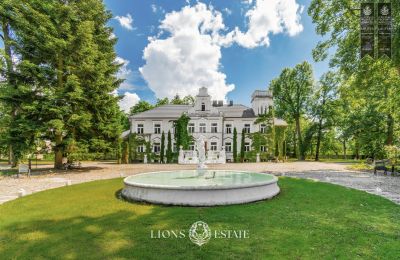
(199, 233)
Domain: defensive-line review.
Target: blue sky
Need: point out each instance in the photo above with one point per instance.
(246, 68)
(216, 45)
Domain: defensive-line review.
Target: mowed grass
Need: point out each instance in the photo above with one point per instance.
(306, 220)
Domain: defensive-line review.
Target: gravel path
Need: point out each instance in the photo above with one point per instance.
(386, 186)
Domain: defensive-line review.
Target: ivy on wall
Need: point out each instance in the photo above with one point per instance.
(182, 137)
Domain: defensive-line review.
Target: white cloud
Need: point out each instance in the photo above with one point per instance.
(154, 8)
(112, 36)
(269, 16)
(128, 101)
(189, 57)
(124, 71)
(227, 11)
(125, 21)
(126, 74)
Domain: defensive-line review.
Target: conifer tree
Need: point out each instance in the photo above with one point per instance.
(162, 152)
(66, 75)
(169, 148)
(242, 146)
(234, 145)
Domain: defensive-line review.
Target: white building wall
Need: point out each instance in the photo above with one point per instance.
(260, 102)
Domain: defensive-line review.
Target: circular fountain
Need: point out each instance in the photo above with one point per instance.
(200, 187)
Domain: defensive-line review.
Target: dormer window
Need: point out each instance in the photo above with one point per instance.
(203, 107)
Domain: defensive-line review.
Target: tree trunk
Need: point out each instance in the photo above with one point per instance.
(344, 149)
(58, 152)
(357, 149)
(10, 79)
(300, 139)
(10, 155)
(125, 153)
(390, 124)
(295, 144)
(319, 136)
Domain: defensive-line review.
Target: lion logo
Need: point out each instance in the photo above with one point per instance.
(367, 10)
(385, 10)
(199, 233)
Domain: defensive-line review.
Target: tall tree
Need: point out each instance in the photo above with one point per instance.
(235, 150)
(325, 106)
(162, 152)
(141, 106)
(338, 21)
(267, 119)
(292, 91)
(10, 106)
(66, 51)
(242, 144)
(169, 148)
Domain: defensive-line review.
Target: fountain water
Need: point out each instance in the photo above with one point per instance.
(200, 145)
(200, 187)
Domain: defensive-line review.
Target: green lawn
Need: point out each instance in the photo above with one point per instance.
(307, 220)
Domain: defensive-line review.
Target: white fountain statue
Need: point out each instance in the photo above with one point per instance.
(201, 153)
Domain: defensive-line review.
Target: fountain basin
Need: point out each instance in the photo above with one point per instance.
(200, 187)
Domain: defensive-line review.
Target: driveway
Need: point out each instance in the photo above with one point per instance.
(336, 173)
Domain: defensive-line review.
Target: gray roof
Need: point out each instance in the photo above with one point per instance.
(165, 111)
(236, 110)
(261, 94)
(175, 111)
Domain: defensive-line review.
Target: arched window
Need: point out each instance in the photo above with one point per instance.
(203, 107)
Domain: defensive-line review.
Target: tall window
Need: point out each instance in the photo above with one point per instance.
(246, 128)
(213, 146)
(263, 128)
(247, 147)
(228, 128)
(228, 147)
(140, 129)
(202, 128)
(191, 128)
(203, 107)
(157, 128)
(263, 148)
(140, 149)
(214, 127)
(156, 147)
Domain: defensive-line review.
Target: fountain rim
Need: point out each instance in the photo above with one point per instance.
(210, 187)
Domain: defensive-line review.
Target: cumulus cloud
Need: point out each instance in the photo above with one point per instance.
(185, 55)
(269, 16)
(189, 57)
(126, 74)
(128, 101)
(125, 21)
(156, 9)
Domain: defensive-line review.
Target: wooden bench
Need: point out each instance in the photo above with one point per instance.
(23, 168)
(381, 165)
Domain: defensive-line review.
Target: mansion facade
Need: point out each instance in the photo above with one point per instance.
(213, 121)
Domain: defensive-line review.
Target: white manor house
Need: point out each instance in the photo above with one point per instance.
(212, 121)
